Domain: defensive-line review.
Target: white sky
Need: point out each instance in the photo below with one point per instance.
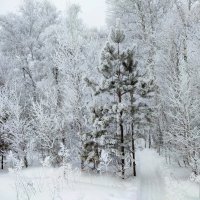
(93, 11)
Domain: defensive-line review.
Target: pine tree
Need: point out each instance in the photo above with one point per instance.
(120, 85)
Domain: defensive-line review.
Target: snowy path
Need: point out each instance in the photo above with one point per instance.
(151, 184)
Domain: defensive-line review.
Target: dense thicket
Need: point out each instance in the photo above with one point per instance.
(58, 88)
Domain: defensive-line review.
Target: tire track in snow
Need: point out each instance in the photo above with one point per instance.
(151, 183)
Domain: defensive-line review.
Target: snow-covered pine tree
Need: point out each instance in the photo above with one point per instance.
(120, 86)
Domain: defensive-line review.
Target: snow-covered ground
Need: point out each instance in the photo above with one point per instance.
(152, 185)
(48, 184)
(159, 181)
(155, 181)
(179, 185)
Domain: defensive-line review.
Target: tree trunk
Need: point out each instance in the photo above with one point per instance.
(25, 162)
(133, 150)
(149, 140)
(2, 162)
(82, 164)
(56, 77)
(122, 149)
(120, 124)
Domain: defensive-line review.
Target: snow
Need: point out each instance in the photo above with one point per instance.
(179, 185)
(155, 180)
(160, 181)
(86, 187)
(151, 183)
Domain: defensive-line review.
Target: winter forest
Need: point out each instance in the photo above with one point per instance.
(108, 113)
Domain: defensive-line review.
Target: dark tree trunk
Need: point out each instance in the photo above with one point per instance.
(2, 162)
(122, 149)
(25, 162)
(132, 137)
(82, 164)
(133, 150)
(149, 140)
(56, 77)
(121, 138)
